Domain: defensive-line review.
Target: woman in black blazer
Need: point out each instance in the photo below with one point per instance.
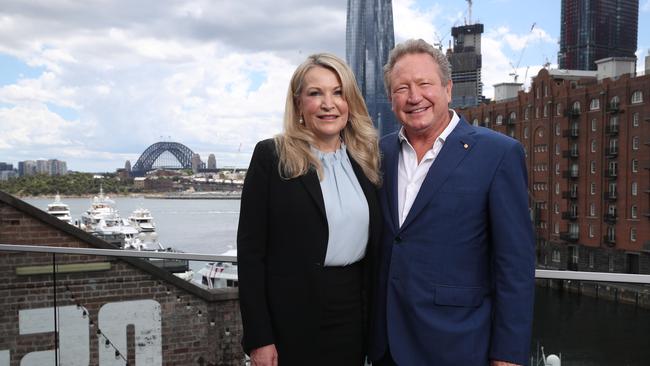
(309, 225)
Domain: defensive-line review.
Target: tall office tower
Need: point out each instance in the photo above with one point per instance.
(465, 59)
(368, 40)
(595, 29)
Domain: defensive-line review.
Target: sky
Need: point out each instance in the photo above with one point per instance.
(94, 83)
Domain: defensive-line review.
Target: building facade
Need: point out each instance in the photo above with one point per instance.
(588, 153)
(465, 59)
(595, 29)
(368, 40)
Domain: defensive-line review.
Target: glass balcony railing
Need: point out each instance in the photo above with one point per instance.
(74, 306)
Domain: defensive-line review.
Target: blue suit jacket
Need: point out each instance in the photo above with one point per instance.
(456, 280)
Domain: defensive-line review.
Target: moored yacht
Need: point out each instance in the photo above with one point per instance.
(220, 274)
(59, 210)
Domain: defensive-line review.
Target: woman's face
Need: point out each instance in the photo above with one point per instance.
(323, 107)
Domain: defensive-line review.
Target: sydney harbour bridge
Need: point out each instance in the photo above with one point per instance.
(168, 155)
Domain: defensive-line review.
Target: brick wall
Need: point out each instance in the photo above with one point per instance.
(195, 326)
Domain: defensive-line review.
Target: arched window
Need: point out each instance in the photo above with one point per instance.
(499, 120)
(576, 106)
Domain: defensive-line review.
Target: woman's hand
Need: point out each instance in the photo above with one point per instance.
(264, 356)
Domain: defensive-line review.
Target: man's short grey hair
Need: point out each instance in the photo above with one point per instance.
(415, 46)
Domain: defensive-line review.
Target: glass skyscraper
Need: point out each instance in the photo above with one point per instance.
(369, 38)
(595, 29)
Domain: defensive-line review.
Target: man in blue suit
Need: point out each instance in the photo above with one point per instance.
(456, 272)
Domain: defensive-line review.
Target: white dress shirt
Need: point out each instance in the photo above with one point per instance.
(410, 174)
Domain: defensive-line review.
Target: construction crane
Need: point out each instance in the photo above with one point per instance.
(521, 55)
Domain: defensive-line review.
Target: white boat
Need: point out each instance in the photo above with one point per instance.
(103, 220)
(220, 274)
(59, 210)
(142, 219)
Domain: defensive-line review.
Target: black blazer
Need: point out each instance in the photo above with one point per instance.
(281, 246)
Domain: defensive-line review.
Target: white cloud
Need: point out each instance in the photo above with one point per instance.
(212, 76)
(410, 21)
(503, 56)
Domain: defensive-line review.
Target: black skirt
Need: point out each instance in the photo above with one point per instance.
(340, 337)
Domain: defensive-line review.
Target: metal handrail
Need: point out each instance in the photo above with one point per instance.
(118, 253)
(539, 273)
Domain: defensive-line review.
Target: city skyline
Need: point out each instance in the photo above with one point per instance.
(95, 86)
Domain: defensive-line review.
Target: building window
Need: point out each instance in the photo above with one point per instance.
(593, 167)
(612, 189)
(634, 188)
(526, 132)
(576, 106)
(557, 168)
(614, 101)
(633, 212)
(635, 143)
(635, 166)
(637, 97)
(486, 122)
(593, 146)
(592, 258)
(475, 122)
(611, 260)
(557, 188)
(557, 257)
(499, 120)
(594, 104)
(635, 119)
(536, 112)
(545, 110)
(594, 125)
(633, 234)
(556, 228)
(526, 113)
(556, 208)
(592, 189)
(592, 210)
(558, 109)
(557, 149)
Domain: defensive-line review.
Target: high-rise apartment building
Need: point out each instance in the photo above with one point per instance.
(587, 142)
(595, 29)
(368, 40)
(465, 59)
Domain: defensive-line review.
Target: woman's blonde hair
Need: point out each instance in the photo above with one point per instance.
(359, 135)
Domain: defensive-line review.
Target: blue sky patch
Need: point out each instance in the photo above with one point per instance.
(257, 79)
(14, 69)
(66, 113)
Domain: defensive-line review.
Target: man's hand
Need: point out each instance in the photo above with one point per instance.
(264, 356)
(502, 363)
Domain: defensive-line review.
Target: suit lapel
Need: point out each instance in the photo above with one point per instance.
(312, 185)
(456, 147)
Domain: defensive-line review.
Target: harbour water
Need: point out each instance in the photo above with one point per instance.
(584, 330)
(192, 226)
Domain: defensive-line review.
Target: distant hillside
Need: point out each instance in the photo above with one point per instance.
(72, 184)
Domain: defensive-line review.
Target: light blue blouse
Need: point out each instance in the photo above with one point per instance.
(346, 208)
